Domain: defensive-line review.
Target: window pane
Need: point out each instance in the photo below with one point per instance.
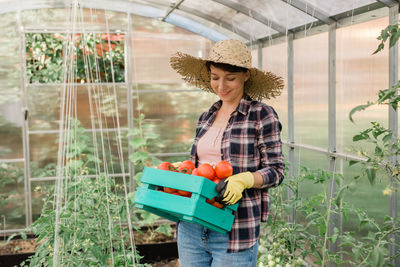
(275, 61)
(360, 75)
(103, 145)
(44, 105)
(174, 116)
(59, 19)
(10, 68)
(311, 90)
(11, 127)
(365, 196)
(40, 190)
(12, 197)
(151, 53)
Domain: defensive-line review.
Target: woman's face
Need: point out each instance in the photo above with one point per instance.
(229, 86)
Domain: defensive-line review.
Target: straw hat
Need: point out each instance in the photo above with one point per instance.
(194, 70)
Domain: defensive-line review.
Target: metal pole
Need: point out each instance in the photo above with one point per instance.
(129, 79)
(393, 126)
(25, 125)
(290, 58)
(334, 221)
(260, 56)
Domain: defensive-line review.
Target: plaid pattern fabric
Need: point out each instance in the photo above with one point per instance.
(251, 142)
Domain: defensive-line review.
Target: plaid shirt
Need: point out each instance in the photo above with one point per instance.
(251, 142)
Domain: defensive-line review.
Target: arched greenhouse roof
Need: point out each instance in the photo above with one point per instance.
(250, 21)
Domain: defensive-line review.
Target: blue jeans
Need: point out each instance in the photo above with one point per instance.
(201, 247)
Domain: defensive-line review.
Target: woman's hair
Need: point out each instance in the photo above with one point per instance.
(225, 67)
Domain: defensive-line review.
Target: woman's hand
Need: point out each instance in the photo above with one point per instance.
(230, 189)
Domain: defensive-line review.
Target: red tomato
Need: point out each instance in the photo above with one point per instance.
(210, 201)
(186, 167)
(169, 190)
(195, 172)
(218, 205)
(184, 193)
(217, 180)
(223, 169)
(166, 166)
(206, 170)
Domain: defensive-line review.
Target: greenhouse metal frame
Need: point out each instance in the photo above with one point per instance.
(182, 14)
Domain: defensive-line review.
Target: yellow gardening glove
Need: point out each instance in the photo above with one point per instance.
(230, 190)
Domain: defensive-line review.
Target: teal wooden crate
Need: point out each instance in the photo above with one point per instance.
(180, 208)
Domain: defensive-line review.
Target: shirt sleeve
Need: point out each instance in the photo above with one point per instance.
(270, 148)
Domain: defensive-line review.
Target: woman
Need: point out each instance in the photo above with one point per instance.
(242, 131)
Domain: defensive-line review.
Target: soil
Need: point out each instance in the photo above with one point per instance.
(171, 263)
(19, 246)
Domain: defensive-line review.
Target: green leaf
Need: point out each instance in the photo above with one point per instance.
(377, 257)
(371, 174)
(378, 151)
(23, 235)
(359, 137)
(386, 94)
(387, 137)
(335, 235)
(353, 162)
(359, 108)
(380, 47)
(10, 237)
(164, 228)
(394, 38)
(137, 142)
(139, 156)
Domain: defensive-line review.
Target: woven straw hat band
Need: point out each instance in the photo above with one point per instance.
(231, 52)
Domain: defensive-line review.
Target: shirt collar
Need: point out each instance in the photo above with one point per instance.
(243, 107)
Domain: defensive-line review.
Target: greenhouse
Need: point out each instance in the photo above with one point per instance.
(91, 106)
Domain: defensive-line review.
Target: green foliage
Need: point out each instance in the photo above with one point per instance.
(289, 244)
(391, 32)
(88, 236)
(97, 58)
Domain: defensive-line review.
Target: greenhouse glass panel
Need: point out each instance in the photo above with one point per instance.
(12, 197)
(40, 191)
(88, 19)
(87, 147)
(334, 7)
(11, 120)
(275, 61)
(360, 196)
(312, 161)
(107, 101)
(10, 70)
(151, 53)
(174, 117)
(278, 11)
(311, 90)
(239, 22)
(205, 25)
(360, 75)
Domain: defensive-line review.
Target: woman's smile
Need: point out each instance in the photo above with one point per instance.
(229, 86)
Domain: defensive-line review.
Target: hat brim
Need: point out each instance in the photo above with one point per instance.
(261, 84)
